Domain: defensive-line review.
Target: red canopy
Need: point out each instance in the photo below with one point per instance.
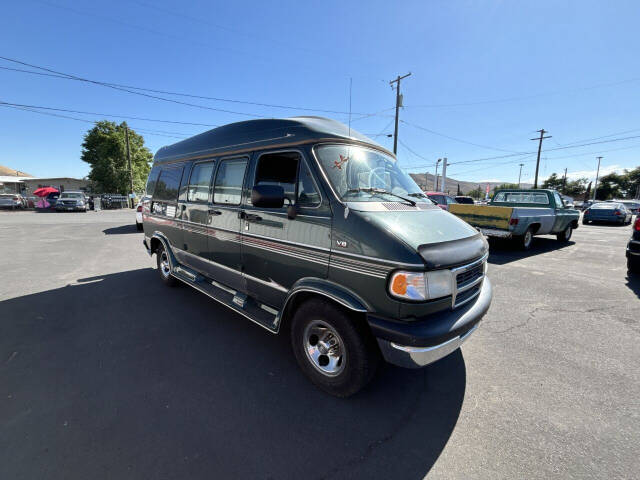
(44, 191)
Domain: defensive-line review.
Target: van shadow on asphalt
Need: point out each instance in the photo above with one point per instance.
(505, 251)
(119, 376)
(633, 283)
(122, 229)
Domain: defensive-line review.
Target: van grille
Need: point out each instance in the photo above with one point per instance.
(469, 280)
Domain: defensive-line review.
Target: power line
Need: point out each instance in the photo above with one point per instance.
(456, 139)
(150, 132)
(525, 97)
(110, 115)
(65, 76)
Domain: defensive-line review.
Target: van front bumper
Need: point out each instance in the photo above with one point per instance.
(415, 343)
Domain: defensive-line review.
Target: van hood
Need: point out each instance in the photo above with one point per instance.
(441, 238)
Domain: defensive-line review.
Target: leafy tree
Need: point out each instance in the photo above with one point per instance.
(506, 186)
(104, 148)
(553, 182)
(476, 193)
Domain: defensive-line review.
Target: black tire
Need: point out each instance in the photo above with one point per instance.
(524, 241)
(357, 352)
(633, 265)
(565, 235)
(163, 272)
(138, 226)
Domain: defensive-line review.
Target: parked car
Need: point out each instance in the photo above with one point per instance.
(139, 213)
(52, 199)
(568, 201)
(521, 214)
(441, 199)
(14, 201)
(72, 202)
(463, 199)
(321, 235)
(582, 206)
(632, 205)
(633, 248)
(607, 212)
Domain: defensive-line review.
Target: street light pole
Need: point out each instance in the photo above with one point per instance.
(595, 185)
(435, 182)
(542, 132)
(520, 174)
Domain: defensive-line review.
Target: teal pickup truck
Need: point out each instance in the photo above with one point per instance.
(521, 214)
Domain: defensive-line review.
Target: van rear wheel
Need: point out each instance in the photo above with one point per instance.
(164, 267)
(336, 352)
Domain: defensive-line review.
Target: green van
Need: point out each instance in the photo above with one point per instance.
(306, 226)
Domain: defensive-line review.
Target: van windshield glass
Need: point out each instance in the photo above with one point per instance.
(359, 174)
(71, 195)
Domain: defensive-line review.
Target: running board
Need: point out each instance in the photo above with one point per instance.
(246, 306)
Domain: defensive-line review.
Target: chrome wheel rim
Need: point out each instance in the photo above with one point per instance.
(527, 239)
(165, 269)
(324, 348)
(567, 233)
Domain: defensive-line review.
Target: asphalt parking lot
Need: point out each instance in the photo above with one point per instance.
(107, 373)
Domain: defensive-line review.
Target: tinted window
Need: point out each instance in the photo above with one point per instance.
(168, 184)
(279, 169)
(439, 199)
(228, 186)
(308, 195)
(198, 190)
(152, 180)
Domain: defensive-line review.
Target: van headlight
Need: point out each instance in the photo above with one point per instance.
(420, 285)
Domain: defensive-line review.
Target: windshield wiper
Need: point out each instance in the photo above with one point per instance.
(381, 191)
(416, 194)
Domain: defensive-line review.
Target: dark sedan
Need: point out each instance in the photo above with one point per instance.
(633, 248)
(607, 212)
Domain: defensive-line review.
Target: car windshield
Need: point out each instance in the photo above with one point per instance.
(71, 195)
(360, 174)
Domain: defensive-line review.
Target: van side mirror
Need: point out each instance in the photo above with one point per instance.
(267, 196)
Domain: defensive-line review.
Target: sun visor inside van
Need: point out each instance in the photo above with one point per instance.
(454, 252)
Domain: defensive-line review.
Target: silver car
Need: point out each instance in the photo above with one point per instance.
(14, 201)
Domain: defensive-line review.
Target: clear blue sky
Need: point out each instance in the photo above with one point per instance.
(487, 73)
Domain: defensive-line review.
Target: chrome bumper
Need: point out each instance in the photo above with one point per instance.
(408, 356)
(416, 357)
(494, 232)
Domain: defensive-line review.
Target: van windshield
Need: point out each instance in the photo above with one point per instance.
(360, 174)
(71, 195)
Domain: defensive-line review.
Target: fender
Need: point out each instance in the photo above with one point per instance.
(173, 263)
(325, 288)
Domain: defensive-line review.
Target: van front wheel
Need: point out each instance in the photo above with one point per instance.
(333, 350)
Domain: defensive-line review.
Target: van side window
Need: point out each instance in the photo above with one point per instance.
(279, 169)
(229, 179)
(152, 180)
(168, 183)
(308, 195)
(198, 189)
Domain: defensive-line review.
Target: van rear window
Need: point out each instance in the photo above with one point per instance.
(168, 184)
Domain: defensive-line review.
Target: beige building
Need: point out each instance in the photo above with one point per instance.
(62, 184)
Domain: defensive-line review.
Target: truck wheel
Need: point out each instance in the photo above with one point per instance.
(335, 352)
(633, 265)
(164, 268)
(525, 241)
(565, 235)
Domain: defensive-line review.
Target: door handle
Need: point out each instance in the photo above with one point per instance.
(250, 217)
(214, 212)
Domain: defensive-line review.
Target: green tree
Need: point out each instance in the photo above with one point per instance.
(104, 149)
(553, 182)
(476, 193)
(611, 186)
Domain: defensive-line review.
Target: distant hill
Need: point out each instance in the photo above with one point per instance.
(12, 173)
(452, 183)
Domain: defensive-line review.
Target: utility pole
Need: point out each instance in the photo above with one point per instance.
(398, 105)
(542, 137)
(564, 181)
(595, 185)
(126, 136)
(435, 182)
(520, 174)
(444, 173)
